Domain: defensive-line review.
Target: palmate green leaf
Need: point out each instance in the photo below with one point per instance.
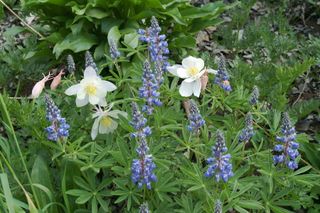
(76, 43)
(311, 150)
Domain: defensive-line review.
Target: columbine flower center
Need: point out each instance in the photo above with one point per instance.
(91, 89)
(193, 71)
(106, 121)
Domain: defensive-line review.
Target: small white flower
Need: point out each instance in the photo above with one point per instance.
(91, 89)
(191, 71)
(104, 121)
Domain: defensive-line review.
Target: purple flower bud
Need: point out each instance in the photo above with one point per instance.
(195, 118)
(222, 77)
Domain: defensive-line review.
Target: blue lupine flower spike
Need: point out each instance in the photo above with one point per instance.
(157, 44)
(142, 171)
(222, 77)
(287, 151)
(139, 122)
(195, 118)
(149, 89)
(89, 62)
(247, 132)
(254, 98)
(59, 128)
(114, 52)
(219, 165)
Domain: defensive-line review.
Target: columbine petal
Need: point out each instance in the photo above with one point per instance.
(94, 99)
(197, 88)
(73, 90)
(116, 113)
(81, 102)
(186, 88)
(95, 127)
(193, 62)
(212, 71)
(173, 69)
(89, 72)
(108, 86)
(183, 73)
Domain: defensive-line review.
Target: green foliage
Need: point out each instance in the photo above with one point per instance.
(78, 26)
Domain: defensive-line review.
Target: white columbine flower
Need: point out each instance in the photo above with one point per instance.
(91, 89)
(105, 121)
(191, 71)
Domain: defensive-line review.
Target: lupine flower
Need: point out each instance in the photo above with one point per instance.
(91, 89)
(247, 132)
(144, 208)
(114, 52)
(191, 71)
(139, 122)
(288, 148)
(254, 98)
(195, 118)
(220, 165)
(56, 80)
(89, 62)
(105, 121)
(38, 87)
(222, 77)
(149, 89)
(218, 207)
(157, 44)
(59, 128)
(71, 67)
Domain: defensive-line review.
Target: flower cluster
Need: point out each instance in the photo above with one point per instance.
(89, 62)
(157, 44)
(114, 52)
(220, 165)
(71, 67)
(59, 128)
(222, 77)
(288, 148)
(149, 89)
(247, 132)
(195, 118)
(142, 168)
(254, 98)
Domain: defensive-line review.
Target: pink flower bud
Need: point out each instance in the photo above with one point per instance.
(38, 87)
(56, 81)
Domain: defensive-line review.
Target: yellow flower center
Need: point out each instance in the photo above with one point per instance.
(193, 71)
(91, 89)
(106, 121)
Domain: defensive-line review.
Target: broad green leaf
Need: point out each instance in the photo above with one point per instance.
(131, 39)
(76, 43)
(97, 13)
(175, 14)
(114, 34)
